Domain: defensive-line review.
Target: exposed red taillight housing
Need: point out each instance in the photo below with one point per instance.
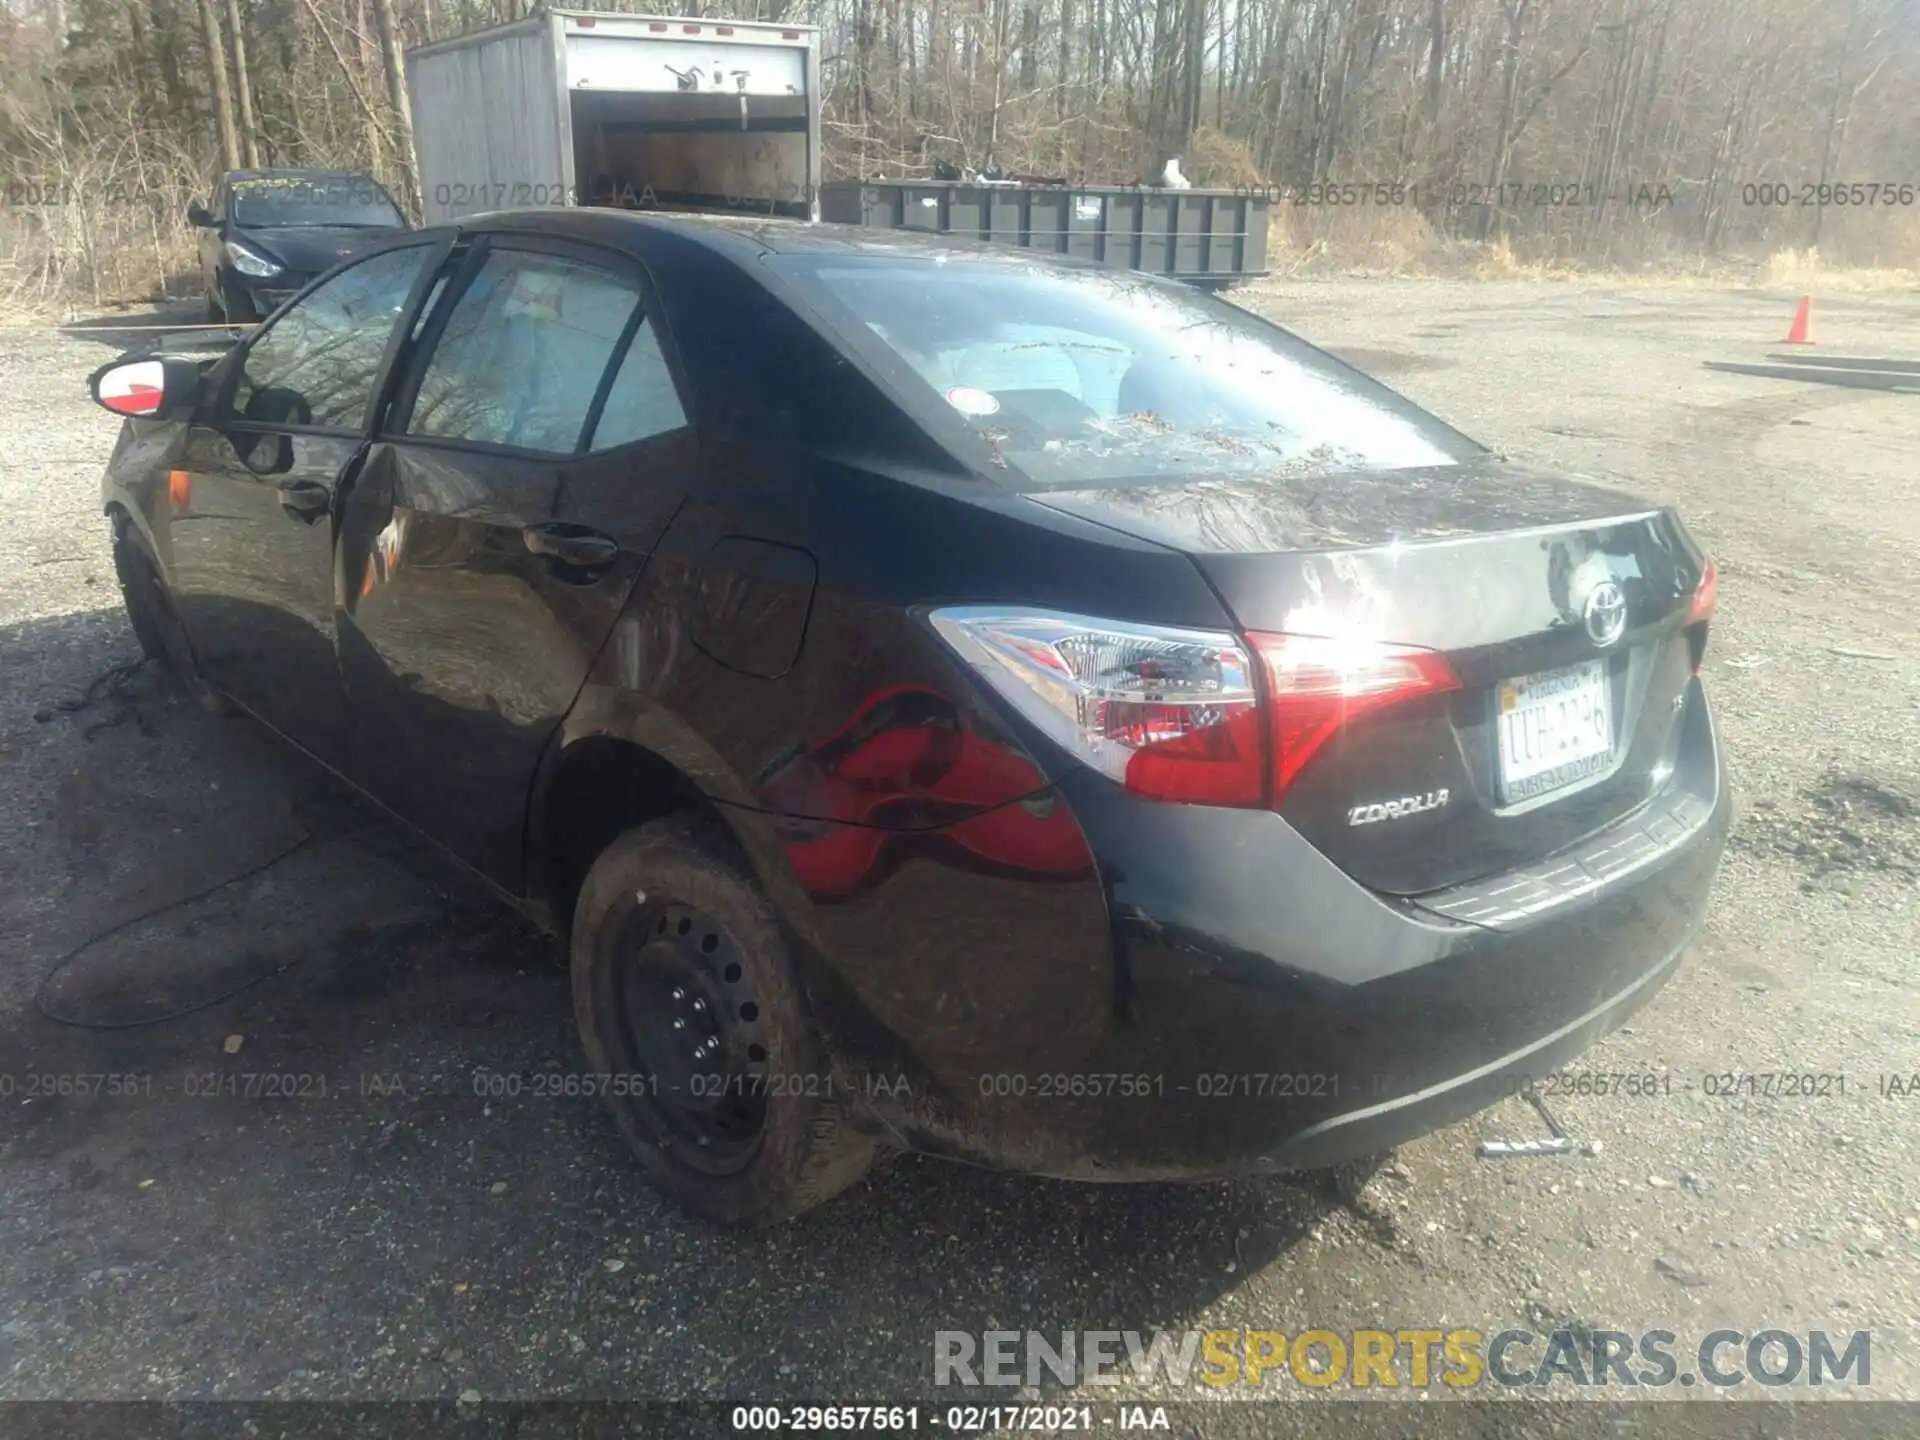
(1214, 763)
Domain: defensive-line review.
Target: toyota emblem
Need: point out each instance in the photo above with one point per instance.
(1606, 613)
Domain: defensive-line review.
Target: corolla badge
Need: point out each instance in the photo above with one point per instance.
(1606, 613)
(1396, 809)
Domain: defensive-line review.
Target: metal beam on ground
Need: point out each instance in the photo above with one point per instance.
(1848, 362)
(1900, 382)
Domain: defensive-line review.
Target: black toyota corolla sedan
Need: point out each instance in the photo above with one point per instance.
(1012, 709)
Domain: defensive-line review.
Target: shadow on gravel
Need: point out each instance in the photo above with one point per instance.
(1390, 362)
(338, 1182)
(147, 327)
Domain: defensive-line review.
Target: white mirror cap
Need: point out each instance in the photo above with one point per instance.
(136, 388)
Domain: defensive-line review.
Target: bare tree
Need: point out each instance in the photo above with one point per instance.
(1604, 130)
(243, 87)
(222, 94)
(393, 66)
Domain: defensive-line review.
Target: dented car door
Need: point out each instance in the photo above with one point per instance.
(536, 449)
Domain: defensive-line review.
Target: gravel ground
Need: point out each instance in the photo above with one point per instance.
(384, 1232)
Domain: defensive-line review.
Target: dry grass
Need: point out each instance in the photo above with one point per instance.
(56, 259)
(1807, 270)
(1216, 161)
(1358, 240)
(1869, 251)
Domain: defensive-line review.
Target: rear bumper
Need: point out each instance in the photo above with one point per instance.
(1216, 998)
(1373, 1128)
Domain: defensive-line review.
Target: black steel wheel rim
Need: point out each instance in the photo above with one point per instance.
(687, 1021)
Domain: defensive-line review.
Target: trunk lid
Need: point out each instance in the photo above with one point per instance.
(1562, 607)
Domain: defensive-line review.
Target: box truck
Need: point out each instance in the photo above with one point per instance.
(577, 107)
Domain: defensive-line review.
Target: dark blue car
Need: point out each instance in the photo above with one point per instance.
(269, 232)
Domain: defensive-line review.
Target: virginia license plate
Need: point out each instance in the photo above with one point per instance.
(1555, 728)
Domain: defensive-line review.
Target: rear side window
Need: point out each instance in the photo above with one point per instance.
(316, 364)
(641, 401)
(524, 352)
(758, 373)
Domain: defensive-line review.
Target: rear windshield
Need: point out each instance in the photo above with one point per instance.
(345, 200)
(1080, 378)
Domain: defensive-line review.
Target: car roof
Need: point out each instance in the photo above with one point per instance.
(746, 236)
(232, 175)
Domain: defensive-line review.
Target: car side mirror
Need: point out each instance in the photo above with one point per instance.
(147, 387)
(198, 215)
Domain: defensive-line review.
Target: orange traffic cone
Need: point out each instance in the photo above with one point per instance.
(1801, 331)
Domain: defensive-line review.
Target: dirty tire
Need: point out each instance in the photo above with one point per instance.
(803, 1152)
(156, 626)
(130, 567)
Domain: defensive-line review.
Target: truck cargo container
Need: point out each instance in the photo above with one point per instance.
(575, 107)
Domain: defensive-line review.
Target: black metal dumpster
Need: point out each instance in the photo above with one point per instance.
(1205, 237)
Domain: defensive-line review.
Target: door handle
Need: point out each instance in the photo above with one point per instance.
(305, 500)
(572, 544)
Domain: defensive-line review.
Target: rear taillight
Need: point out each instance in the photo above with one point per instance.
(1706, 596)
(1177, 714)
(1169, 713)
(1320, 685)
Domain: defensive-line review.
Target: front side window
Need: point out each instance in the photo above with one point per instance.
(523, 354)
(1078, 378)
(317, 363)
